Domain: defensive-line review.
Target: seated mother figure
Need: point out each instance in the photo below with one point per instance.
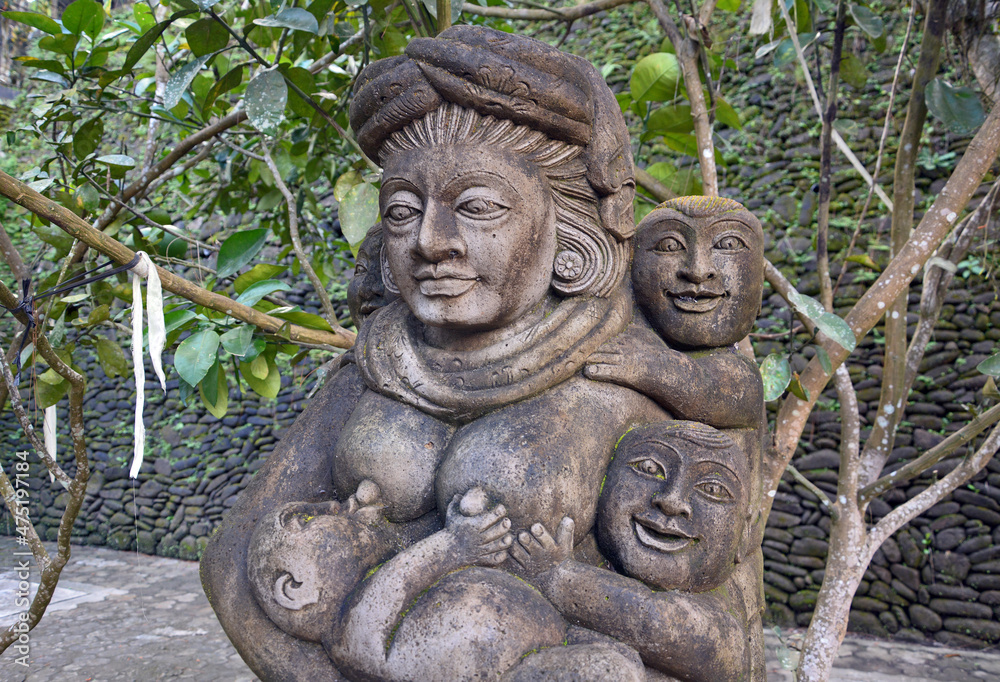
(507, 214)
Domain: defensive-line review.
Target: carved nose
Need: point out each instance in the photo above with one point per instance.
(671, 503)
(439, 238)
(699, 269)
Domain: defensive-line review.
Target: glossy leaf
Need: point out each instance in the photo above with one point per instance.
(111, 357)
(88, 137)
(176, 319)
(47, 395)
(796, 388)
(776, 373)
(824, 359)
(238, 250)
(303, 319)
(141, 46)
(206, 4)
(990, 366)
(35, 20)
(672, 118)
(269, 386)
(958, 108)
(853, 71)
(828, 323)
(358, 212)
(116, 161)
(231, 80)
(294, 18)
(655, 78)
(206, 36)
(180, 80)
(257, 291)
(257, 273)
(266, 97)
(806, 305)
(345, 183)
(84, 16)
(195, 355)
(60, 44)
(726, 114)
(867, 21)
(238, 341)
(865, 260)
(214, 390)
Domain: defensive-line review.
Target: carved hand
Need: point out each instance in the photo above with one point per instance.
(537, 552)
(366, 503)
(626, 359)
(481, 535)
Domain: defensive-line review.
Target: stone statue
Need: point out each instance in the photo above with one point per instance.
(523, 471)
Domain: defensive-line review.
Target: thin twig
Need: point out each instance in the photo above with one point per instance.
(810, 486)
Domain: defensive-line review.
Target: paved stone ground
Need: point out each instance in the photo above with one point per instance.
(123, 616)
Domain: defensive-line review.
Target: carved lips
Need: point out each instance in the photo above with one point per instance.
(696, 300)
(444, 280)
(661, 537)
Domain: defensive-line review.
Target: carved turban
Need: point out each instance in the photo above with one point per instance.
(509, 77)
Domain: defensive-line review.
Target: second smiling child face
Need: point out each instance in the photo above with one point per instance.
(672, 513)
(699, 280)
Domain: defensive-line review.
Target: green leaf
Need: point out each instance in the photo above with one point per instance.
(143, 43)
(238, 249)
(52, 235)
(180, 81)
(50, 376)
(84, 16)
(824, 359)
(87, 198)
(206, 4)
(195, 355)
(257, 273)
(796, 388)
(206, 36)
(681, 182)
(238, 341)
(726, 114)
(294, 18)
(224, 85)
(958, 108)
(776, 373)
(176, 319)
(655, 78)
(728, 5)
(307, 84)
(61, 44)
(853, 71)
(47, 395)
(214, 391)
(257, 291)
(345, 183)
(865, 260)
(35, 20)
(308, 320)
(143, 16)
(807, 305)
(271, 384)
(116, 161)
(43, 64)
(88, 137)
(266, 97)
(111, 357)
(867, 20)
(259, 368)
(672, 118)
(358, 212)
(838, 331)
(990, 366)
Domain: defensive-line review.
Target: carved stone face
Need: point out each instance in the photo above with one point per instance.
(469, 234)
(366, 293)
(672, 513)
(304, 559)
(699, 280)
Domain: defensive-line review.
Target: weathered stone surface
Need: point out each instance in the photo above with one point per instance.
(924, 618)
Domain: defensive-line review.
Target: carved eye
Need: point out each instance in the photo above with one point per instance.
(715, 490)
(669, 245)
(360, 269)
(481, 208)
(650, 467)
(401, 213)
(731, 243)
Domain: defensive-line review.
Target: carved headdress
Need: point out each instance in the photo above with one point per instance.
(508, 77)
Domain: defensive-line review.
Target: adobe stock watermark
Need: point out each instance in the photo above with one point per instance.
(22, 557)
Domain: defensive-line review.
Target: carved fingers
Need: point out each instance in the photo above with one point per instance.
(483, 534)
(537, 551)
(366, 503)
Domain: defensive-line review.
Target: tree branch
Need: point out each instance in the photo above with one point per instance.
(659, 191)
(23, 195)
(565, 14)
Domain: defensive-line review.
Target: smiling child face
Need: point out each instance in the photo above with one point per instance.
(698, 279)
(673, 507)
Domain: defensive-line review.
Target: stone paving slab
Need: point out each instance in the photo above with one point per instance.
(123, 616)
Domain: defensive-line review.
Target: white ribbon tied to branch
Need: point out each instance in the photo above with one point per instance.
(157, 337)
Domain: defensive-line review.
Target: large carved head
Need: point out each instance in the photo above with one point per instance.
(698, 272)
(303, 562)
(675, 506)
(507, 173)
